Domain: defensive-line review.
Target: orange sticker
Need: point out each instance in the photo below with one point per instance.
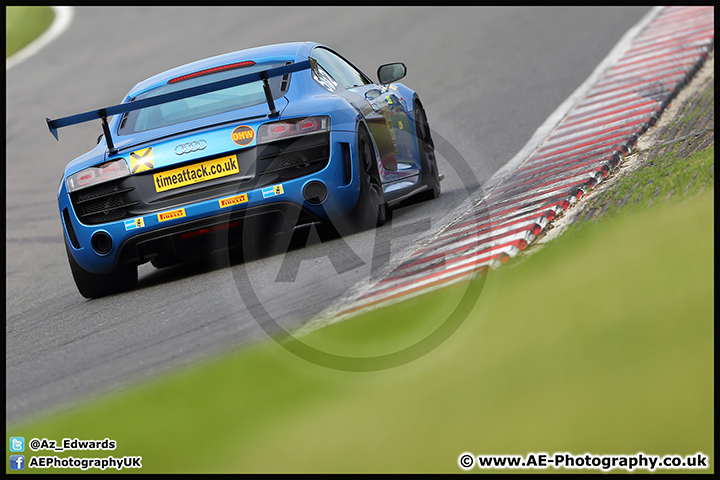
(243, 135)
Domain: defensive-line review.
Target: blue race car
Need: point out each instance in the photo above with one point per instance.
(240, 148)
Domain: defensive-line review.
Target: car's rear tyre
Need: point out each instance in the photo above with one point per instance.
(371, 210)
(93, 285)
(428, 162)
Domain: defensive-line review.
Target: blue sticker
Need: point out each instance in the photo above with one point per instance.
(272, 191)
(134, 223)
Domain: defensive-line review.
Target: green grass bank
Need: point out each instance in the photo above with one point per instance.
(600, 343)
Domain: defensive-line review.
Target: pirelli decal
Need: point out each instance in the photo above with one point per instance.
(230, 201)
(141, 160)
(171, 215)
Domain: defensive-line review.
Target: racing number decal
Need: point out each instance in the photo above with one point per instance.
(141, 160)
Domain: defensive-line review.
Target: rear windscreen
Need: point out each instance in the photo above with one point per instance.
(205, 105)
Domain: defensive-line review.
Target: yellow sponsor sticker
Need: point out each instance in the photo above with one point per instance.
(199, 172)
(171, 215)
(236, 200)
(141, 160)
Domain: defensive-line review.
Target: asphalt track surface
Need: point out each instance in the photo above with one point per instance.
(488, 77)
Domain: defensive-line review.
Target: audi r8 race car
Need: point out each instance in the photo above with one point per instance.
(240, 147)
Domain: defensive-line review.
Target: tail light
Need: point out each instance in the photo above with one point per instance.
(95, 175)
(270, 132)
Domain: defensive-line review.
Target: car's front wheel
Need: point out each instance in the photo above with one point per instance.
(428, 162)
(92, 285)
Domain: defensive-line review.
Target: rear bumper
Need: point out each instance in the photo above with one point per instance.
(260, 212)
(192, 239)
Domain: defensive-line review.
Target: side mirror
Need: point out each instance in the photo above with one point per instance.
(391, 72)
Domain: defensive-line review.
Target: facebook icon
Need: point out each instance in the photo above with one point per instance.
(17, 462)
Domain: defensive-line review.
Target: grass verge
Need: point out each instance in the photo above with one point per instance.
(600, 343)
(23, 25)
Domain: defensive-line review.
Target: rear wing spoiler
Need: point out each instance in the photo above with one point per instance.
(103, 113)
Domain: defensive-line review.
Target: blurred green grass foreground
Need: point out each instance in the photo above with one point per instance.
(601, 342)
(23, 24)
